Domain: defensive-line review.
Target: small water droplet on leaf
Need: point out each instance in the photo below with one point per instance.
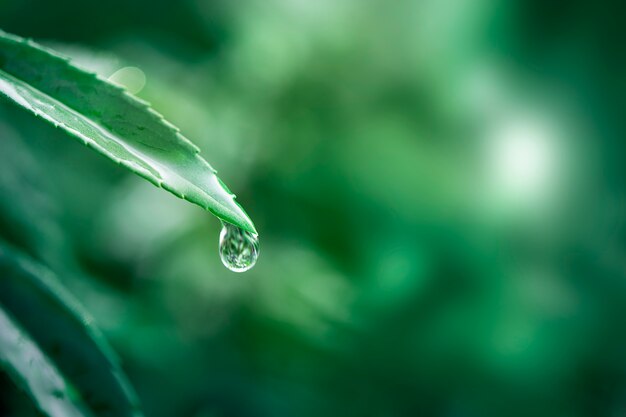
(239, 249)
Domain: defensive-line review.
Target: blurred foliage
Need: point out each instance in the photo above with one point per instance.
(438, 186)
(51, 348)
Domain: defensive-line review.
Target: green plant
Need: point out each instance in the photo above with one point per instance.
(47, 343)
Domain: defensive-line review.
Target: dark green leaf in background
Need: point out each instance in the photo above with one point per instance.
(62, 330)
(32, 371)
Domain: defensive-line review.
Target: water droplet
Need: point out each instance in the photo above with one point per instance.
(239, 249)
(132, 78)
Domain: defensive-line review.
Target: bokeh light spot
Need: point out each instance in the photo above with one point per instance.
(523, 158)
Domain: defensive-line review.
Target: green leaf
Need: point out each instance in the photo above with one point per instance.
(58, 324)
(108, 119)
(33, 372)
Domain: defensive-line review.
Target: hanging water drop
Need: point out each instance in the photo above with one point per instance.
(239, 249)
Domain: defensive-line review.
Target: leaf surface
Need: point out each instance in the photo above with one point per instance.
(110, 120)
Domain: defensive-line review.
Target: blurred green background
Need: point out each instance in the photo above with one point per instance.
(438, 185)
